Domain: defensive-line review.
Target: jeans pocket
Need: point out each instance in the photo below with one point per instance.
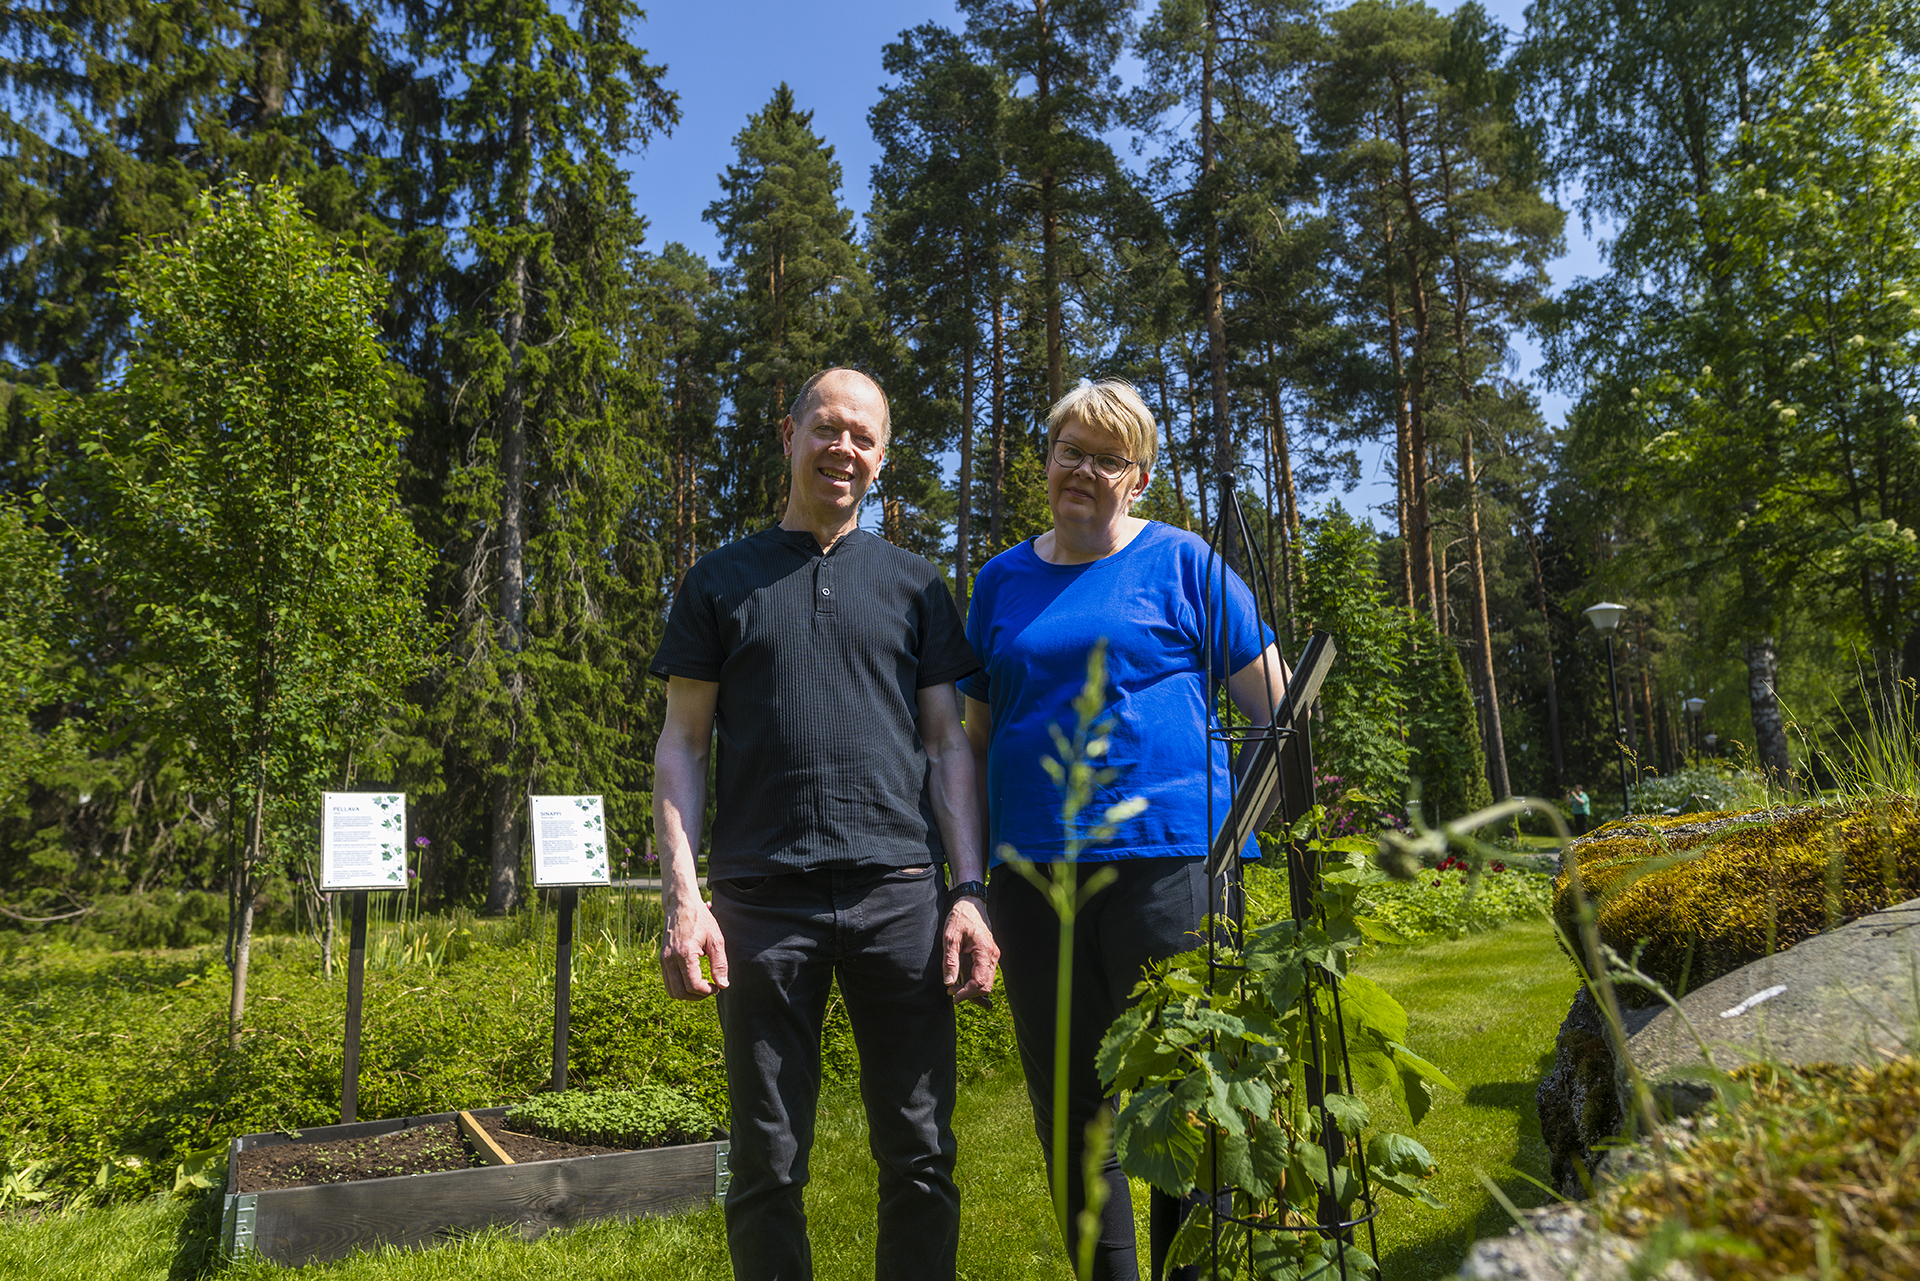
(741, 887)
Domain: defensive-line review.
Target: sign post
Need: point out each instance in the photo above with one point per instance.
(363, 846)
(569, 850)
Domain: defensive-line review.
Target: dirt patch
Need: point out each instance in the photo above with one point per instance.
(424, 1149)
(531, 1147)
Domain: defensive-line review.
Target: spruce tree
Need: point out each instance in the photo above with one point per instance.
(798, 295)
(530, 426)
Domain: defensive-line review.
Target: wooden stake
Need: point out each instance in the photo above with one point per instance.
(483, 1144)
(563, 986)
(356, 984)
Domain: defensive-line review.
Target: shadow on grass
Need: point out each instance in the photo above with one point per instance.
(196, 1246)
(1442, 1256)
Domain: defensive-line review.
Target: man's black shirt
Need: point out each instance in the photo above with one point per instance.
(819, 658)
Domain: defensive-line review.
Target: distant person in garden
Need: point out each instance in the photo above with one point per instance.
(1582, 809)
(825, 658)
(1037, 609)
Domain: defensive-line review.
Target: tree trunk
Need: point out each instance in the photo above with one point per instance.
(326, 936)
(1482, 631)
(1553, 688)
(1195, 442)
(1426, 574)
(997, 467)
(1049, 220)
(1173, 451)
(504, 892)
(1442, 612)
(963, 523)
(243, 929)
(1216, 309)
(1763, 696)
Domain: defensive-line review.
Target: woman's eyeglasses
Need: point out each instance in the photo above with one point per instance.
(1105, 466)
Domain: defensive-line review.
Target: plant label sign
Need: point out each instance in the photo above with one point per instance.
(569, 840)
(363, 841)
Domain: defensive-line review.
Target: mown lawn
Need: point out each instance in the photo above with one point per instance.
(1485, 1007)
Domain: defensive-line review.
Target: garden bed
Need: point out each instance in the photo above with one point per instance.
(409, 1205)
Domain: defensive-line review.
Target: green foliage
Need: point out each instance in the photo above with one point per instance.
(29, 590)
(1443, 734)
(1438, 903)
(249, 453)
(1359, 738)
(652, 1116)
(119, 1062)
(1716, 786)
(1214, 1052)
(800, 293)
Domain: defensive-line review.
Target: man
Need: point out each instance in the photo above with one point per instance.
(826, 659)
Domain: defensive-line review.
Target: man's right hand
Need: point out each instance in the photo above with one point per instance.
(691, 933)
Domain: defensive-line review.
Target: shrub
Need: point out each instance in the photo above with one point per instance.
(1439, 903)
(651, 1116)
(1702, 787)
(116, 1067)
(1708, 893)
(1812, 1177)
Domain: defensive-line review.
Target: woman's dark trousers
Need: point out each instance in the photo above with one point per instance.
(1155, 909)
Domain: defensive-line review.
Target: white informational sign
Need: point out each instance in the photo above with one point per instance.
(569, 840)
(363, 841)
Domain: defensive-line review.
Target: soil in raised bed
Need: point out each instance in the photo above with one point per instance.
(424, 1149)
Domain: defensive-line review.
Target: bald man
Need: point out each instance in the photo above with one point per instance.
(825, 658)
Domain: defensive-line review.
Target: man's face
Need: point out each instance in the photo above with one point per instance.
(837, 451)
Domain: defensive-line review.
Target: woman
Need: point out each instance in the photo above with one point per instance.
(1037, 609)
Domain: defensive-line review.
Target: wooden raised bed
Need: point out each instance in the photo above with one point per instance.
(329, 1221)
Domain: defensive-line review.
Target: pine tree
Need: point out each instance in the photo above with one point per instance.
(939, 219)
(1061, 56)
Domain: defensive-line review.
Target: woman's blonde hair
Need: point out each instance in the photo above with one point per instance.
(1109, 405)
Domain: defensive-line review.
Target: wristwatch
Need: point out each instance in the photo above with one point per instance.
(967, 889)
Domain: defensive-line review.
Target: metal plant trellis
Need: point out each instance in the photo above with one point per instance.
(1275, 758)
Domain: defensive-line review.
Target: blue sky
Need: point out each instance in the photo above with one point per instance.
(724, 58)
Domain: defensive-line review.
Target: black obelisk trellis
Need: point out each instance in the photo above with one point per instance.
(1277, 757)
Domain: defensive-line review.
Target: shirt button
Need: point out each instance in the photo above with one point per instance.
(826, 591)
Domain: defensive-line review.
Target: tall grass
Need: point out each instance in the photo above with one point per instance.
(1877, 755)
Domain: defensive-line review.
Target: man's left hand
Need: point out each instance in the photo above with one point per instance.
(970, 953)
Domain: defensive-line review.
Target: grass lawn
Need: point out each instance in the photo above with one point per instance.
(1484, 1007)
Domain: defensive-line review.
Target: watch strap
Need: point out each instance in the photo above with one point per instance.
(967, 889)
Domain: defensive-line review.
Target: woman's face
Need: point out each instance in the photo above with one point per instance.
(1081, 495)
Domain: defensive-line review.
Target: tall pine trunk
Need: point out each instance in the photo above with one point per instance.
(1482, 632)
(997, 463)
(1215, 291)
(963, 523)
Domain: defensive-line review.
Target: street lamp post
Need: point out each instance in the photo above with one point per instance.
(1695, 706)
(1605, 618)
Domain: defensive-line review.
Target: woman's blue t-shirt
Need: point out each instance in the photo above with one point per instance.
(1032, 625)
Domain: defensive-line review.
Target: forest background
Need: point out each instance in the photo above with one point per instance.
(1330, 239)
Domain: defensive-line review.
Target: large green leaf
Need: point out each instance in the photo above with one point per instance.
(1154, 1140)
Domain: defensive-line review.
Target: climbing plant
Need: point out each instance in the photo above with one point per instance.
(1216, 1052)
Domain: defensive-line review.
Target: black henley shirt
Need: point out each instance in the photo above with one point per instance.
(819, 658)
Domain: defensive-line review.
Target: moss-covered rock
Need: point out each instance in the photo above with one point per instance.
(1813, 1176)
(1709, 893)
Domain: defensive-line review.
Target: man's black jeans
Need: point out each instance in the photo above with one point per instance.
(878, 930)
(1156, 908)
